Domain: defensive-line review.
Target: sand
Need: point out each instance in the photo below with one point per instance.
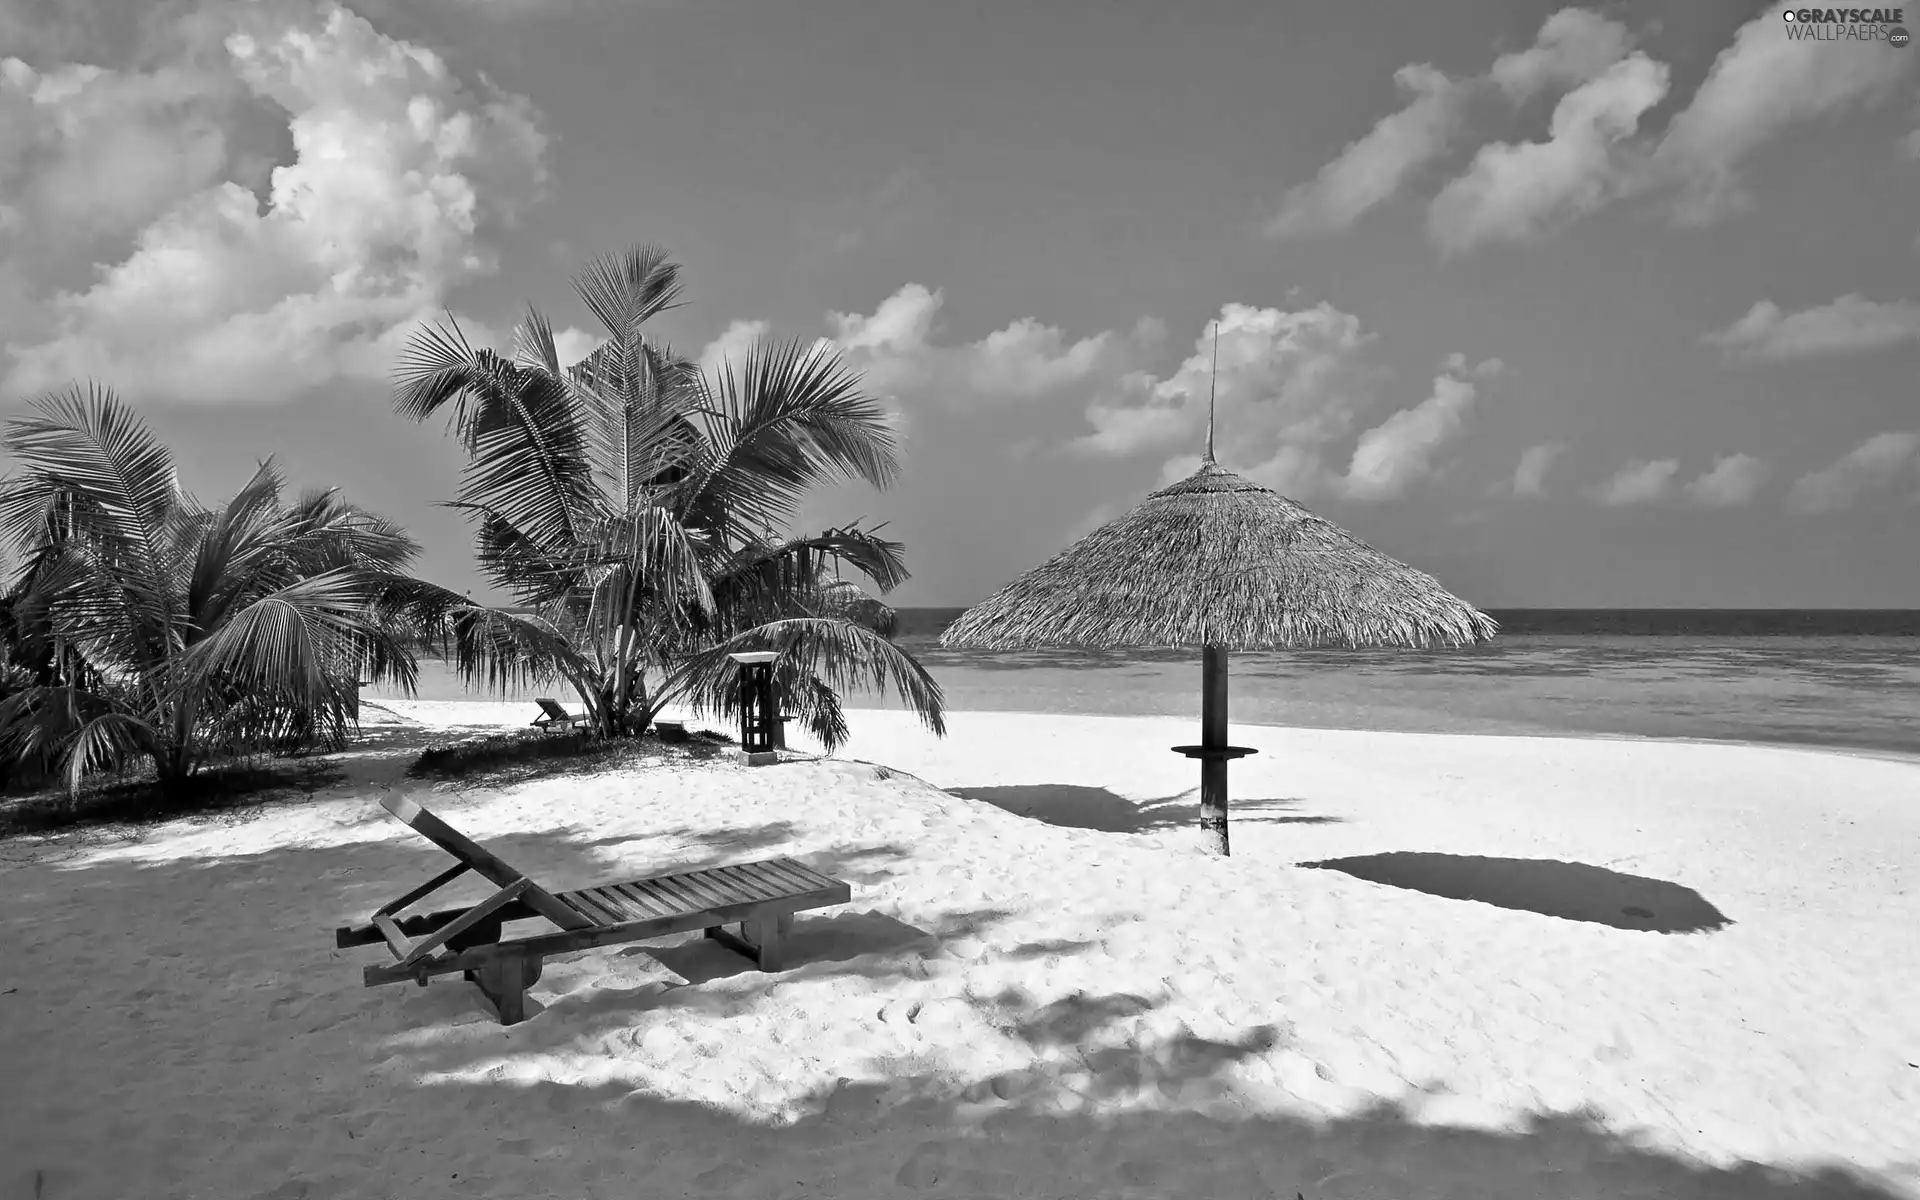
(1436, 966)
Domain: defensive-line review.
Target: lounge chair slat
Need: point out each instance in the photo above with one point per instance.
(782, 874)
(683, 896)
(784, 871)
(661, 888)
(624, 909)
(808, 873)
(748, 883)
(708, 893)
(713, 893)
(592, 907)
(766, 879)
(640, 899)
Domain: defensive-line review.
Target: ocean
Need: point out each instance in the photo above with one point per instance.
(1831, 678)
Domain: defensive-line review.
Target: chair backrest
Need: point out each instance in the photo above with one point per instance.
(552, 708)
(484, 862)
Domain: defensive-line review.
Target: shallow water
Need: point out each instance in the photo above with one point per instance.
(1861, 693)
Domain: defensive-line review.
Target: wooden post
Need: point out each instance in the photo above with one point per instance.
(1213, 736)
(757, 724)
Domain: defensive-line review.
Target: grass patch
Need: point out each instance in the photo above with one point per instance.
(505, 758)
(233, 793)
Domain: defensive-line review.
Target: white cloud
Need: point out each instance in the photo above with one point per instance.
(1573, 46)
(1762, 85)
(573, 344)
(1529, 477)
(730, 349)
(1733, 480)
(1847, 325)
(401, 177)
(1516, 192)
(1289, 384)
(1375, 166)
(86, 151)
(897, 351)
(1873, 464)
(1638, 482)
(1486, 368)
(1400, 450)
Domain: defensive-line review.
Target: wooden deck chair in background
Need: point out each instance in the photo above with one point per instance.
(553, 716)
(760, 897)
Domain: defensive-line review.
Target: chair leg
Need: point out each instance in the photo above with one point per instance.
(504, 982)
(762, 939)
(768, 935)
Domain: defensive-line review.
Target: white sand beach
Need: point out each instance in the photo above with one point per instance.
(1525, 967)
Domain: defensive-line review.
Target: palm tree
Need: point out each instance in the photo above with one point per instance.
(629, 506)
(155, 628)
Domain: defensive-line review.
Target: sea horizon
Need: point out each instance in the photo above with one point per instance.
(1843, 679)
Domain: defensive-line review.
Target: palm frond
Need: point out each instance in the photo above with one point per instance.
(298, 649)
(791, 418)
(626, 290)
(108, 742)
(95, 475)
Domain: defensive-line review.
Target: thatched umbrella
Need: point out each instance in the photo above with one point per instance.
(1219, 562)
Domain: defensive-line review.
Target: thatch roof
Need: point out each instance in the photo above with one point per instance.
(1218, 560)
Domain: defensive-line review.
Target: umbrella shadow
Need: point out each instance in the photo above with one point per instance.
(1569, 890)
(1076, 806)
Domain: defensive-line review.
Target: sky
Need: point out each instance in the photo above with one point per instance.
(1571, 307)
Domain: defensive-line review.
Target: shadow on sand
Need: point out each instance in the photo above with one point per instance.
(1102, 1100)
(1076, 806)
(1569, 890)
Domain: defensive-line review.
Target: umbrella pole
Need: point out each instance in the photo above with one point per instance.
(1213, 736)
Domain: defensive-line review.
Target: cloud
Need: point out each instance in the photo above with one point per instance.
(86, 151)
(1873, 464)
(1734, 480)
(402, 177)
(1638, 482)
(1486, 368)
(1375, 166)
(1762, 85)
(1529, 477)
(897, 351)
(1573, 46)
(573, 344)
(730, 349)
(1289, 385)
(1517, 192)
(1849, 324)
(1400, 450)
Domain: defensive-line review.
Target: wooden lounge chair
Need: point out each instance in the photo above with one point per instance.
(553, 716)
(761, 897)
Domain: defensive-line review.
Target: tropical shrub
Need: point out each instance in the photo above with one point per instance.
(155, 629)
